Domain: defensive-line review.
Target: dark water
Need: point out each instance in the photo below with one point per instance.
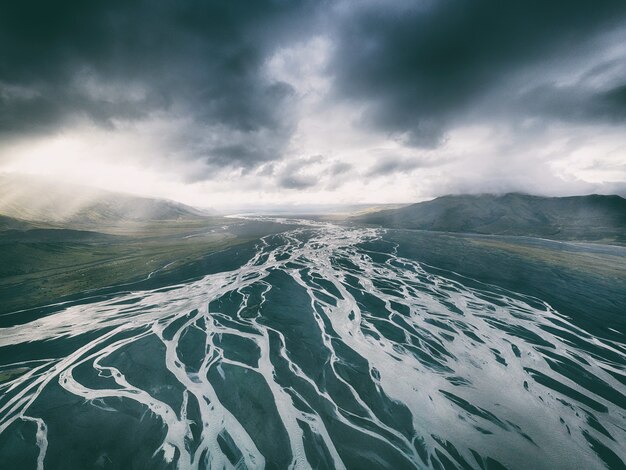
(324, 350)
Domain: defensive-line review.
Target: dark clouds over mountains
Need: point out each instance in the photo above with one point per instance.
(414, 69)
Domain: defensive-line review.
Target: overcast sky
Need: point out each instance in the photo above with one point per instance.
(228, 102)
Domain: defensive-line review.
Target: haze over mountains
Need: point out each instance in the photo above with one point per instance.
(38, 200)
(28, 202)
(592, 217)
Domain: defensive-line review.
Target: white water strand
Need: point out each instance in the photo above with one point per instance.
(478, 372)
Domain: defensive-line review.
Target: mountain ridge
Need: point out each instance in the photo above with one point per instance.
(31, 199)
(587, 217)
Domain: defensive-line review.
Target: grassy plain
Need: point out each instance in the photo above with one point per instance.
(41, 266)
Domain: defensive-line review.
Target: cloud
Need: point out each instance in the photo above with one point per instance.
(577, 103)
(109, 63)
(392, 165)
(421, 67)
(299, 174)
(295, 181)
(236, 95)
(339, 168)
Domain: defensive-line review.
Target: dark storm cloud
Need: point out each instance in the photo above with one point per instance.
(415, 69)
(106, 61)
(577, 103)
(421, 65)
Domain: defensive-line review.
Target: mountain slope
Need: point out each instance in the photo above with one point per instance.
(34, 199)
(592, 217)
(10, 223)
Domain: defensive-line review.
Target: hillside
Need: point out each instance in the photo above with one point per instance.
(34, 199)
(593, 217)
(10, 223)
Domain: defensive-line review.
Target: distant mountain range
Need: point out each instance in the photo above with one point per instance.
(592, 217)
(30, 199)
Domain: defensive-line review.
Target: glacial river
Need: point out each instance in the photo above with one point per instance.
(324, 350)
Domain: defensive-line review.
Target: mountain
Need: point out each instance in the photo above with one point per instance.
(592, 217)
(35, 199)
(10, 223)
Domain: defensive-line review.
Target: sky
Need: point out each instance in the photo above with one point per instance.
(217, 103)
